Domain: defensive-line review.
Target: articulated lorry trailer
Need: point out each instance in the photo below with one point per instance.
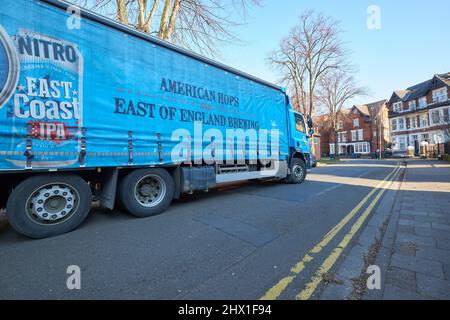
(93, 110)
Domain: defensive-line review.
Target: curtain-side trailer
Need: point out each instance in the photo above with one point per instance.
(93, 108)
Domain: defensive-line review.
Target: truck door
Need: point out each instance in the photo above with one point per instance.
(299, 133)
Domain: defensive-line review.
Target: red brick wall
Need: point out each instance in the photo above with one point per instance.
(348, 127)
(327, 136)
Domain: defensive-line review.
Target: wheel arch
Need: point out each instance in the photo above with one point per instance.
(294, 154)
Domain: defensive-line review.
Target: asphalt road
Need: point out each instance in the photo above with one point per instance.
(235, 243)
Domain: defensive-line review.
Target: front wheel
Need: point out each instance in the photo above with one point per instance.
(145, 193)
(298, 171)
(47, 205)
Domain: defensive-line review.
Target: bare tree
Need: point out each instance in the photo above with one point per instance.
(200, 25)
(442, 118)
(312, 49)
(290, 63)
(336, 89)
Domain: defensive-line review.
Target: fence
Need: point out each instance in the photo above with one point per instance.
(438, 150)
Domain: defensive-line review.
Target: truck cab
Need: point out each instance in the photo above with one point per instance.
(300, 134)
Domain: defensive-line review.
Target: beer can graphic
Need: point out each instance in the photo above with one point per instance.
(45, 115)
(9, 67)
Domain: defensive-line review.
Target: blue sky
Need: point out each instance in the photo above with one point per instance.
(412, 44)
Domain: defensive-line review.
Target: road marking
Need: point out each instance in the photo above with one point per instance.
(274, 292)
(332, 258)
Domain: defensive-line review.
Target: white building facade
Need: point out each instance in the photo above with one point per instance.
(420, 116)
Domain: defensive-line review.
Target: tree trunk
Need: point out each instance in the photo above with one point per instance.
(122, 11)
(311, 112)
(297, 96)
(336, 146)
(172, 21)
(152, 13)
(164, 18)
(142, 21)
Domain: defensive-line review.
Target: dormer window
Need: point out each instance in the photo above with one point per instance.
(398, 106)
(440, 95)
(412, 105)
(423, 103)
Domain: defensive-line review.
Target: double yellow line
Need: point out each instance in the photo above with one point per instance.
(274, 292)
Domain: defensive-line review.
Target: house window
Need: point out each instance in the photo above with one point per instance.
(436, 117)
(398, 106)
(394, 124)
(353, 135)
(422, 102)
(440, 95)
(344, 136)
(426, 138)
(339, 137)
(355, 122)
(340, 125)
(362, 147)
(412, 105)
(360, 135)
(424, 120)
(402, 143)
(401, 124)
(375, 133)
(413, 122)
(332, 149)
(437, 138)
(446, 116)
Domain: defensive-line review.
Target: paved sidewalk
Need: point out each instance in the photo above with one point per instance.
(415, 253)
(408, 237)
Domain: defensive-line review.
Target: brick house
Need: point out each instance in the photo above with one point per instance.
(363, 129)
(419, 115)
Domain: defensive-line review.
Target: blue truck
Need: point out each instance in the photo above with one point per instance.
(93, 110)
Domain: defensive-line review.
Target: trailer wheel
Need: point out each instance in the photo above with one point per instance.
(298, 171)
(147, 192)
(48, 205)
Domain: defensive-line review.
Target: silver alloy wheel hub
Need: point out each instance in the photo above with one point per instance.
(150, 191)
(52, 203)
(298, 171)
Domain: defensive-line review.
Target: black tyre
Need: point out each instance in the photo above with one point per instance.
(48, 205)
(147, 192)
(298, 171)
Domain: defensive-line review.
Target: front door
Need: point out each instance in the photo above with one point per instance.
(416, 146)
(350, 150)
